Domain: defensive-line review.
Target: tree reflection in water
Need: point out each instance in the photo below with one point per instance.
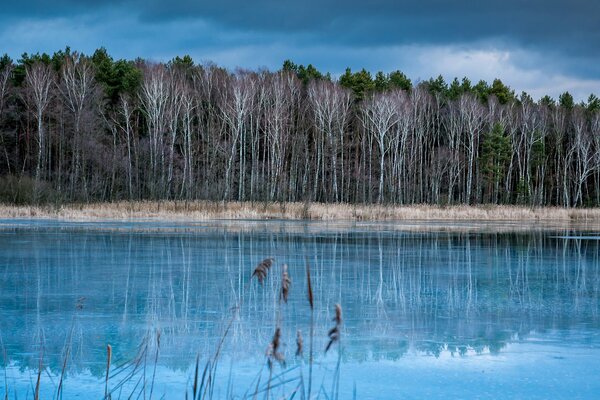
(402, 292)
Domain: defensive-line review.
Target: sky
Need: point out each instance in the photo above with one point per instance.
(538, 46)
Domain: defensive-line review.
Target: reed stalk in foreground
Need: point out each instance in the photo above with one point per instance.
(64, 366)
(107, 395)
(300, 355)
(4, 362)
(334, 337)
(203, 388)
(273, 354)
(286, 281)
(312, 327)
(68, 345)
(155, 362)
(36, 395)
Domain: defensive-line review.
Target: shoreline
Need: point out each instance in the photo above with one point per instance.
(197, 211)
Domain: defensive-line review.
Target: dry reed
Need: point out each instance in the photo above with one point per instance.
(155, 362)
(207, 210)
(312, 326)
(4, 366)
(273, 353)
(309, 287)
(334, 333)
(286, 281)
(108, 359)
(203, 388)
(36, 395)
(262, 269)
(299, 344)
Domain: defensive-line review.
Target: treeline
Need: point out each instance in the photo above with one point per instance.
(91, 128)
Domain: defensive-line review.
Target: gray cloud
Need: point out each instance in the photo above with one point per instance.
(572, 25)
(546, 40)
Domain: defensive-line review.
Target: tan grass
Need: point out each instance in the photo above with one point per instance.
(204, 210)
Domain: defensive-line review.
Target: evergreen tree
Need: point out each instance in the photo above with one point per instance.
(566, 100)
(495, 155)
(361, 83)
(398, 80)
(503, 93)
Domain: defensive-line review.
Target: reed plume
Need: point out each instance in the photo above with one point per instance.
(286, 281)
(262, 269)
(299, 344)
(309, 287)
(273, 353)
(334, 333)
(80, 302)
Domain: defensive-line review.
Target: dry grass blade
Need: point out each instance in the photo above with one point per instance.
(334, 333)
(299, 344)
(262, 269)
(286, 281)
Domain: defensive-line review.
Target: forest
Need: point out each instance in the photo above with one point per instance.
(90, 128)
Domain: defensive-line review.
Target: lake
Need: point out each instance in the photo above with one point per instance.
(428, 311)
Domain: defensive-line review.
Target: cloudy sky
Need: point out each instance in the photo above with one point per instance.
(540, 46)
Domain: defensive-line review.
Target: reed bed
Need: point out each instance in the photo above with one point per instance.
(135, 377)
(207, 210)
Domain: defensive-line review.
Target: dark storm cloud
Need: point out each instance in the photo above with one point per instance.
(53, 8)
(572, 25)
(525, 42)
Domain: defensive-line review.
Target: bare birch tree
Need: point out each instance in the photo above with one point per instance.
(330, 106)
(38, 80)
(5, 88)
(379, 115)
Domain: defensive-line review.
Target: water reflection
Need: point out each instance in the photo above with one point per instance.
(405, 294)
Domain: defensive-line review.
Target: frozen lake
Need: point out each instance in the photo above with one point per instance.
(492, 313)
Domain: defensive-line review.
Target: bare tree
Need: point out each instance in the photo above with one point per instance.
(77, 88)
(330, 106)
(155, 97)
(203, 132)
(472, 120)
(176, 86)
(5, 76)
(38, 80)
(237, 101)
(582, 153)
(595, 132)
(379, 115)
(189, 105)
